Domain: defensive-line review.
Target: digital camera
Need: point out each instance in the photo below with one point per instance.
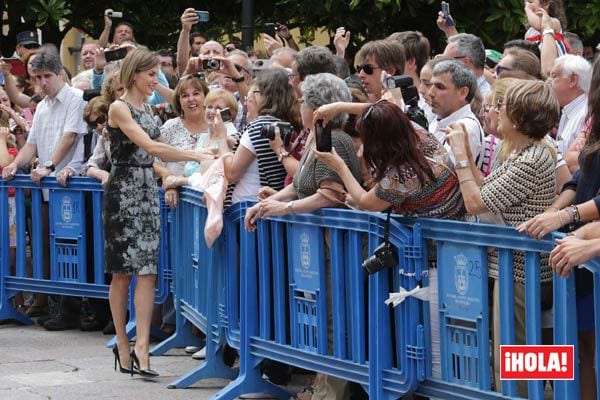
(384, 256)
(211, 63)
(285, 131)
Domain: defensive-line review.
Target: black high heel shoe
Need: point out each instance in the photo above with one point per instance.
(135, 364)
(115, 351)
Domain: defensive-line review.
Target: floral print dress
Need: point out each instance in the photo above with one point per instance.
(131, 209)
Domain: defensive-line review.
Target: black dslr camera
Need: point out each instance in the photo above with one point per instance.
(385, 255)
(211, 63)
(410, 95)
(285, 131)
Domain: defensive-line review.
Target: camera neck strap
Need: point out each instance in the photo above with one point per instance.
(386, 229)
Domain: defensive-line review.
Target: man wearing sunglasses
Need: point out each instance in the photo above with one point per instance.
(375, 57)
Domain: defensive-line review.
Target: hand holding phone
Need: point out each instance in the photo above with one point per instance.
(203, 16)
(446, 12)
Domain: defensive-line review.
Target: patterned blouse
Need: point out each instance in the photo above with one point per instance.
(439, 199)
(519, 189)
(174, 133)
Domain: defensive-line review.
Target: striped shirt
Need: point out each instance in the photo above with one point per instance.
(571, 122)
(265, 169)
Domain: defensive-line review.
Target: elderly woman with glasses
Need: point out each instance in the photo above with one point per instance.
(523, 186)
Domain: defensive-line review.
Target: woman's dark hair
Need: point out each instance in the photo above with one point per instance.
(593, 140)
(389, 140)
(278, 98)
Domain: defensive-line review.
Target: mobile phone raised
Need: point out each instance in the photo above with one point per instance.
(270, 29)
(446, 12)
(116, 54)
(226, 114)
(323, 136)
(203, 16)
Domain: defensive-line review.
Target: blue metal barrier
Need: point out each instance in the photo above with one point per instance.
(197, 272)
(69, 273)
(462, 250)
(284, 301)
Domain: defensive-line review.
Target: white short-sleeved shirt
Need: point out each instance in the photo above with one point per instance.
(55, 117)
(249, 185)
(571, 122)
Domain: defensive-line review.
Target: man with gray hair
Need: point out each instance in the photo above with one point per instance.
(469, 50)
(311, 60)
(453, 88)
(570, 78)
(56, 138)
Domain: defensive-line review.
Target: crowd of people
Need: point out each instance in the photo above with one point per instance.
(513, 141)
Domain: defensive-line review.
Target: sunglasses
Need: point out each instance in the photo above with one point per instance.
(368, 68)
(101, 120)
(499, 69)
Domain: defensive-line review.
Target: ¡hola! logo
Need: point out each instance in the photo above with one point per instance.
(537, 362)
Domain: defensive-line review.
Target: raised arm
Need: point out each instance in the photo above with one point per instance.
(188, 18)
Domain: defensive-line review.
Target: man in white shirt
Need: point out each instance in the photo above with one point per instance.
(469, 50)
(56, 136)
(454, 87)
(58, 124)
(570, 78)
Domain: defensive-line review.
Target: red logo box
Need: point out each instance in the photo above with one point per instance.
(537, 362)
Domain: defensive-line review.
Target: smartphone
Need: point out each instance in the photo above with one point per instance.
(446, 12)
(116, 54)
(17, 66)
(203, 16)
(226, 114)
(323, 136)
(115, 14)
(270, 29)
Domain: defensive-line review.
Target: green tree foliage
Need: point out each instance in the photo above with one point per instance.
(156, 22)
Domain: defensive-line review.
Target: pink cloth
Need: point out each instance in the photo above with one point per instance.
(214, 184)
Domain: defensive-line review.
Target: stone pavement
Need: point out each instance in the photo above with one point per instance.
(36, 364)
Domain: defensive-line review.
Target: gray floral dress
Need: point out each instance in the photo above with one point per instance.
(131, 209)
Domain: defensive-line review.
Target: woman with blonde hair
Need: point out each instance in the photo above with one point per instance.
(131, 210)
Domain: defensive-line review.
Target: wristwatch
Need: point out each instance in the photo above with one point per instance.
(461, 164)
(282, 154)
(238, 80)
(49, 165)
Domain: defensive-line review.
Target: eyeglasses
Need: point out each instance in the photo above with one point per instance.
(30, 46)
(210, 108)
(368, 68)
(500, 69)
(101, 120)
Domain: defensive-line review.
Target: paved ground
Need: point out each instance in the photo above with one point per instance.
(36, 364)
